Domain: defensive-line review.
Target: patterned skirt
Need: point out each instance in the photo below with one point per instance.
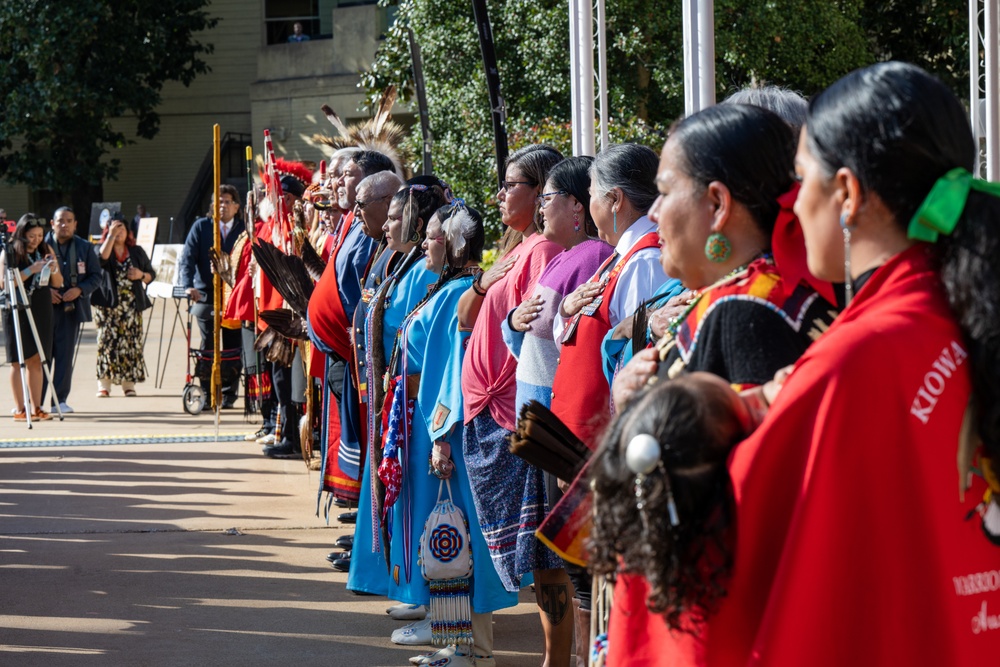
(510, 500)
(119, 339)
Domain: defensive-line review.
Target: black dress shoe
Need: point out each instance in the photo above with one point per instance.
(345, 541)
(342, 564)
(340, 502)
(283, 450)
(334, 555)
(348, 517)
(228, 402)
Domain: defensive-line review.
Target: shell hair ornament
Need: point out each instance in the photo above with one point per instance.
(643, 455)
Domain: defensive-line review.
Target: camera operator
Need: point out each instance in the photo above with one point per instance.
(36, 263)
(81, 270)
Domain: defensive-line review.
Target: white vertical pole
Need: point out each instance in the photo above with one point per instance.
(991, 34)
(690, 16)
(974, 44)
(706, 53)
(602, 73)
(585, 63)
(574, 81)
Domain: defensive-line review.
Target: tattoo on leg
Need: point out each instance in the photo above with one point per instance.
(554, 600)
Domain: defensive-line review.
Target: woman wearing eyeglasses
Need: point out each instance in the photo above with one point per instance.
(35, 261)
(528, 332)
(488, 373)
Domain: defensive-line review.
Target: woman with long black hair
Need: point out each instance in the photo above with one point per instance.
(35, 260)
(858, 540)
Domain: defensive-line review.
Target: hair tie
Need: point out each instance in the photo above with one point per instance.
(943, 205)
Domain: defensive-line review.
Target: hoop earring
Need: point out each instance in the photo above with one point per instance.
(576, 222)
(848, 286)
(717, 247)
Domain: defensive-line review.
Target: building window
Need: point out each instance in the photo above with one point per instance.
(316, 17)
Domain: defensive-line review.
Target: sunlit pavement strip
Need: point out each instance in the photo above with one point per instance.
(117, 440)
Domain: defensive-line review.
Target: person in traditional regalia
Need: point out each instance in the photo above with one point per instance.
(730, 164)
(405, 229)
(332, 305)
(623, 190)
(853, 543)
(372, 206)
(418, 454)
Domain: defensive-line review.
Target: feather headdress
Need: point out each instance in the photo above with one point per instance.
(378, 133)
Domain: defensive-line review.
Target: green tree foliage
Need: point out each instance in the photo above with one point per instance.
(931, 33)
(802, 44)
(69, 68)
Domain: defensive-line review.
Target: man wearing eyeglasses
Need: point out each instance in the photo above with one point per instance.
(81, 271)
(338, 292)
(195, 275)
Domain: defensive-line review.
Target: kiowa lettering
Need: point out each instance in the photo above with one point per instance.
(935, 379)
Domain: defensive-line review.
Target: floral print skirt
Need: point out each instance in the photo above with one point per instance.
(119, 338)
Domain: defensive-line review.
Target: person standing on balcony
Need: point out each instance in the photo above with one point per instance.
(297, 34)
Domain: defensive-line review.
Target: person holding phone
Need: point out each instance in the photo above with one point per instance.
(119, 327)
(35, 261)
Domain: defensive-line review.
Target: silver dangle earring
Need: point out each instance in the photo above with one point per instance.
(643, 456)
(848, 286)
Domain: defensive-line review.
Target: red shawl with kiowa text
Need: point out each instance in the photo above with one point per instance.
(853, 547)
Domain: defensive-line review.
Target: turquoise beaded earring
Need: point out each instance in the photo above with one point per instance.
(717, 247)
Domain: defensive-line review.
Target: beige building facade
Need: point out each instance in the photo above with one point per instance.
(252, 85)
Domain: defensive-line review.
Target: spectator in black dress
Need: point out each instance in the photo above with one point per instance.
(38, 268)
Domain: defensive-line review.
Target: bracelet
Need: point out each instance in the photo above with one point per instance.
(477, 287)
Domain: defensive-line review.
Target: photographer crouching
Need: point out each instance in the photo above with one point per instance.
(81, 270)
(35, 261)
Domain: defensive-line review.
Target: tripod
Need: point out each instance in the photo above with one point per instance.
(13, 285)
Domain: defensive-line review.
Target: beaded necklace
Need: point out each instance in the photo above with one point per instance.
(675, 323)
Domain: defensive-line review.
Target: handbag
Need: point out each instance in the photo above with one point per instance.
(105, 296)
(445, 557)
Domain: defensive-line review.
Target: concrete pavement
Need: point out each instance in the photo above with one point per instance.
(178, 553)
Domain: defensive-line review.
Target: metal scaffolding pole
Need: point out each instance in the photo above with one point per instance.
(585, 74)
(690, 25)
(706, 53)
(974, 100)
(574, 92)
(602, 73)
(990, 35)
